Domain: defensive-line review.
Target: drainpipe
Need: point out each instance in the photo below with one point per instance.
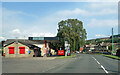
(16, 47)
(46, 48)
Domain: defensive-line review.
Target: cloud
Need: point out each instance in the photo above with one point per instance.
(2, 38)
(101, 5)
(23, 34)
(76, 11)
(14, 24)
(16, 31)
(102, 23)
(42, 35)
(101, 35)
(83, 12)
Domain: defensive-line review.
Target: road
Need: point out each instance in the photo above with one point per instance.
(83, 63)
(86, 63)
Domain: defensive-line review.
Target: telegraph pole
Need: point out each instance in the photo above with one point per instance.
(16, 47)
(112, 42)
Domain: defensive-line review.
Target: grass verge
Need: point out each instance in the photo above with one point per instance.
(66, 56)
(98, 54)
(112, 56)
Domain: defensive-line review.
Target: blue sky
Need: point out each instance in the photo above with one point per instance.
(24, 19)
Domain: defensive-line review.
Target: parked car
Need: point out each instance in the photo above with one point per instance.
(77, 52)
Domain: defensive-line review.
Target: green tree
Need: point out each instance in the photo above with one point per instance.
(73, 31)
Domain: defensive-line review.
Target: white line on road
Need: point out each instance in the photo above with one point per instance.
(98, 62)
(104, 69)
(101, 65)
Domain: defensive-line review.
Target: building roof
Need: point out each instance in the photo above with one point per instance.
(91, 45)
(22, 41)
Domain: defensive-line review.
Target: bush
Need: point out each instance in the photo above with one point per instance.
(118, 53)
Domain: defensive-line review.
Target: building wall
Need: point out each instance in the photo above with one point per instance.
(32, 53)
(6, 50)
(42, 46)
(16, 50)
(43, 50)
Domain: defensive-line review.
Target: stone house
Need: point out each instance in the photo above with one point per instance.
(26, 48)
(20, 48)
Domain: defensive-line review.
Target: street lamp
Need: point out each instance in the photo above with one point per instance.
(112, 42)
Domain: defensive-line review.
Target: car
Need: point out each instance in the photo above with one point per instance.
(77, 52)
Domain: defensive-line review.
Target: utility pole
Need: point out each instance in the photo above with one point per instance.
(24, 38)
(16, 48)
(112, 42)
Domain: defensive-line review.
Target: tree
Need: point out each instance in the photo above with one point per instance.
(73, 31)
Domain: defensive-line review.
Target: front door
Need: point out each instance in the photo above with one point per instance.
(37, 52)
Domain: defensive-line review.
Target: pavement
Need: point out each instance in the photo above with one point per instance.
(82, 63)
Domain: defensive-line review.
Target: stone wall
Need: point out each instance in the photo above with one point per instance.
(16, 51)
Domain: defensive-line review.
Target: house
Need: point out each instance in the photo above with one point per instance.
(20, 48)
(32, 47)
(90, 47)
(102, 47)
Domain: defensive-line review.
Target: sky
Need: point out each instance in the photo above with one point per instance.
(40, 19)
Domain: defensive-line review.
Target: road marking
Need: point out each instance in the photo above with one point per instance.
(104, 69)
(98, 62)
(101, 65)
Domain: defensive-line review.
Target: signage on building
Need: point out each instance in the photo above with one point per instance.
(26, 49)
(43, 38)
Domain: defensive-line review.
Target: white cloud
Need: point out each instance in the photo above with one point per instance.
(102, 23)
(83, 12)
(10, 13)
(2, 38)
(42, 35)
(76, 11)
(17, 31)
(47, 25)
(102, 5)
(101, 35)
(106, 12)
(25, 34)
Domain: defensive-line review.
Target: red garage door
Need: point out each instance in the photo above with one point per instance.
(11, 50)
(22, 50)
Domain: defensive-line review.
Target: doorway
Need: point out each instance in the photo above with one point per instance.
(37, 53)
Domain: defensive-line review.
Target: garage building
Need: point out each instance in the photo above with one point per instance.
(32, 47)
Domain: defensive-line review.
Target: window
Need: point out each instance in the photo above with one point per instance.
(11, 50)
(22, 50)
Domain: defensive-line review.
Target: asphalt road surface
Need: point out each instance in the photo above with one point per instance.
(82, 63)
(85, 63)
